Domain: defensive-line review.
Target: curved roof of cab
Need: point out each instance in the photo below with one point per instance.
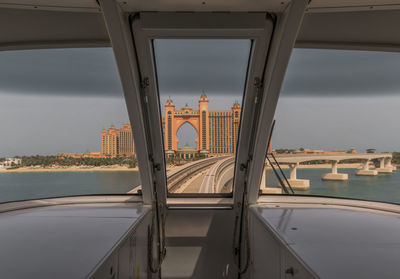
(340, 24)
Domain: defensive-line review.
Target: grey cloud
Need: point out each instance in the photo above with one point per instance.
(80, 72)
(324, 73)
(190, 66)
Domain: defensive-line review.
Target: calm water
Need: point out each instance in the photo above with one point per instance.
(21, 186)
(384, 187)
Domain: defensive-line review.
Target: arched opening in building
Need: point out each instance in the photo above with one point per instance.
(187, 136)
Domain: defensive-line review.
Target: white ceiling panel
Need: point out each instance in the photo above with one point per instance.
(24, 29)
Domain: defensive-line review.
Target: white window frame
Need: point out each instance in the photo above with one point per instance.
(257, 27)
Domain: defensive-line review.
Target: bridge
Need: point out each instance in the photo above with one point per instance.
(215, 174)
(294, 160)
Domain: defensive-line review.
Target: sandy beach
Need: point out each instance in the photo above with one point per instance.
(70, 169)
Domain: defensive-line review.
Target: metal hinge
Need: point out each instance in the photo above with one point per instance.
(145, 83)
(156, 166)
(258, 83)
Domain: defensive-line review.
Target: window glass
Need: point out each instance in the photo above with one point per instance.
(64, 125)
(335, 132)
(201, 84)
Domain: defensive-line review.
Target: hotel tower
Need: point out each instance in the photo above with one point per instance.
(217, 130)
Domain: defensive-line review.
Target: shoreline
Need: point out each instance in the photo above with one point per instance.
(68, 169)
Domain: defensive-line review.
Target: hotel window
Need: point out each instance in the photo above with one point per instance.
(59, 128)
(208, 75)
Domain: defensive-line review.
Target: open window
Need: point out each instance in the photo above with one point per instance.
(202, 69)
(201, 84)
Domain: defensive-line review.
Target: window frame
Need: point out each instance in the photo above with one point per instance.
(257, 27)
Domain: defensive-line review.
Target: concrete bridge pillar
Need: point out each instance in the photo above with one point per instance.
(293, 171)
(334, 167)
(264, 184)
(297, 184)
(334, 175)
(388, 164)
(382, 163)
(365, 170)
(383, 166)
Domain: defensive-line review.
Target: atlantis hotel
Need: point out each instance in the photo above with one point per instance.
(217, 132)
(117, 142)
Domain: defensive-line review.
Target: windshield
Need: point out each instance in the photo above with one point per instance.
(335, 132)
(64, 125)
(201, 84)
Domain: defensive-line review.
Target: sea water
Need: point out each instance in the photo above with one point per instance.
(33, 185)
(383, 187)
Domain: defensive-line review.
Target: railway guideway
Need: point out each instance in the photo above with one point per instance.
(218, 176)
(177, 177)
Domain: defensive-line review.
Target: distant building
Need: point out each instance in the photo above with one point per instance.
(352, 151)
(187, 152)
(117, 142)
(371, 150)
(9, 162)
(217, 130)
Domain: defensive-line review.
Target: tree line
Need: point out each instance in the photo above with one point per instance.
(47, 161)
(396, 157)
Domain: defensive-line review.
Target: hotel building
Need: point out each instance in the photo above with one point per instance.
(117, 142)
(217, 130)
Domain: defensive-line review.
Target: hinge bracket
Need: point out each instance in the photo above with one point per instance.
(145, 83)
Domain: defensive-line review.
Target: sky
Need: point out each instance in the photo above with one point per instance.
(58, 100)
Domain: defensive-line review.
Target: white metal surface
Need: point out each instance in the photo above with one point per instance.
(270, 257)
(366, 30)
(11, 206)
(282, 44)
(201, 6)
(338, 242)
(64, 241)
(125, 56)
(344, 24)
(311, 201)
(27, 29)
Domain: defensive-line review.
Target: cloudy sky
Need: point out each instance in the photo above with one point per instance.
(59, 100)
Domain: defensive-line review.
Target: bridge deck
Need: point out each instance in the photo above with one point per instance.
(298, 158)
